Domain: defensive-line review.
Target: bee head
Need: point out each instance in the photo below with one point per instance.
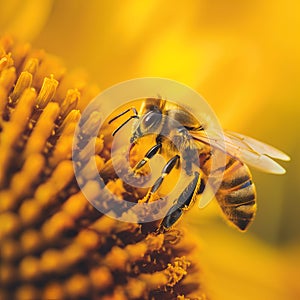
(149, 123)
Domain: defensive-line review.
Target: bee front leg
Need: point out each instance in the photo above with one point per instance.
(165, 171)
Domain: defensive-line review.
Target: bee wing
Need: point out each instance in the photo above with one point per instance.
(252, 152)
(259, 146)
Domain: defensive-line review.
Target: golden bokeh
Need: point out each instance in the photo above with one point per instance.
(244, 58)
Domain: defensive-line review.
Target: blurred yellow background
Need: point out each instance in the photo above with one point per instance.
(244, 58)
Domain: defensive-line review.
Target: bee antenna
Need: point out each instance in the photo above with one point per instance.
(123, 124)
(123, 113)
(136, 116)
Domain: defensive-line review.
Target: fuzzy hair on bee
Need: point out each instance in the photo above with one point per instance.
(235, 194)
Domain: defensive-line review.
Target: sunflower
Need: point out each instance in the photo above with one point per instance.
(244, 58)
(54, 243)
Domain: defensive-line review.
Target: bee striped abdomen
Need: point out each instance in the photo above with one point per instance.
(237, 195)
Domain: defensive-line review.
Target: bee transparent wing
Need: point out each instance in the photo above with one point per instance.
(252, 152)
(259, 146)
(261, 162)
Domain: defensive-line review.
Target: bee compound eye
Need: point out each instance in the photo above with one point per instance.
(152, 118)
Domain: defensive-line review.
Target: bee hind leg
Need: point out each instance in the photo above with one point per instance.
(183, 203)
(170, 219)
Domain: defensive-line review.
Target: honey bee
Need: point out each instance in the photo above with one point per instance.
(235, 194)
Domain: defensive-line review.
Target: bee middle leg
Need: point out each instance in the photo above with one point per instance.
(154, 150)
(165, 171)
